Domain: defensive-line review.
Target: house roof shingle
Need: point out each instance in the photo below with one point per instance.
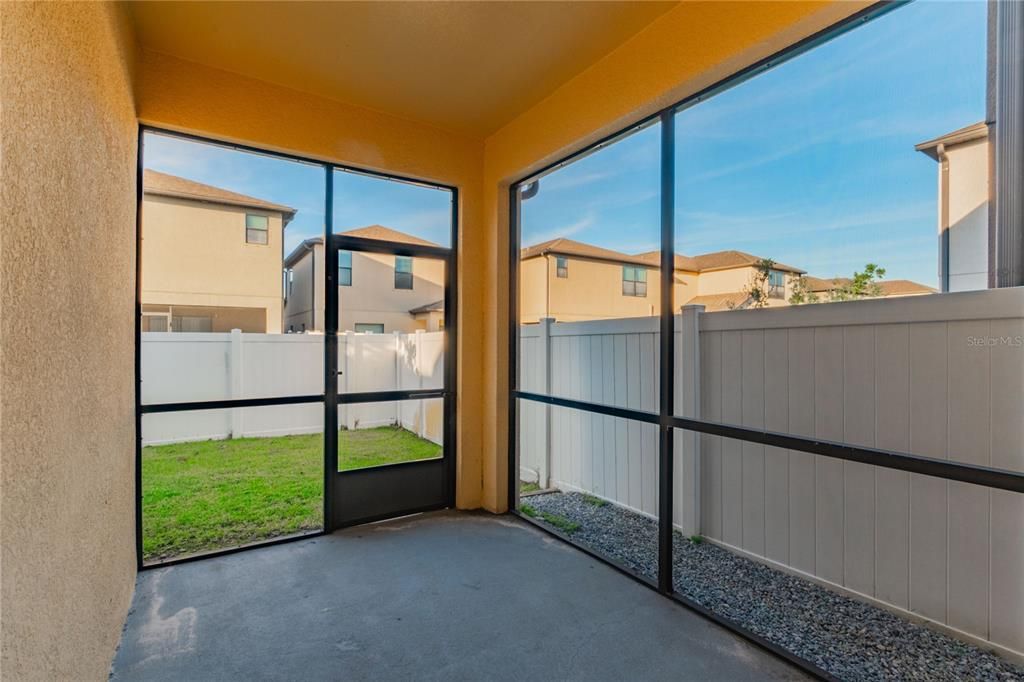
(386, 234)
(569, 247)
(435, 307)
(718, 260)
(890, 287)
(721, 260)
(164, 184)
(368, 232)
(714, 302)
(903, 287)
(975, 131)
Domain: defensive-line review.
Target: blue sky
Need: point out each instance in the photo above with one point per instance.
(359, 200)
(811, 163)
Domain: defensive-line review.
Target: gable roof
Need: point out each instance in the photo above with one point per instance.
(164, 184)
(723, 260)
(570, 247)
(682, 262)
(435, 307)
(368, 232)
(889, 287)
(717, 260)
(299, 251)
(386, 234)
(728, 301)
(903, 287)
(975, 131)
(820, 284)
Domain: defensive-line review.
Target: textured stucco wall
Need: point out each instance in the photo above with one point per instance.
(690, 47)
(67, 252)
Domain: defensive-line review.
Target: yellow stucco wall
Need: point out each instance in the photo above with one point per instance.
(181, 95)
(195, 253)
(67, 266)
(684, 50)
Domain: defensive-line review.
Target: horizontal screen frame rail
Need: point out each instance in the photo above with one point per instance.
(343, 399)
(389, 248)
(974, 474)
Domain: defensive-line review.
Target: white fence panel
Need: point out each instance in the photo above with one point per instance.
(189, 367)
(938, 376)
(611, 362)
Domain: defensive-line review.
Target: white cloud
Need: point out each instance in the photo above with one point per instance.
(569, 230)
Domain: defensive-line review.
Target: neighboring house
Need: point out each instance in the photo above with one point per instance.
(211, 258)
(887, 288)
(717, 280)
(376, 292)
(569, 280)
(963, 158)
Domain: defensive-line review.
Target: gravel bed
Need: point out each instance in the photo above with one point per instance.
(848, 638)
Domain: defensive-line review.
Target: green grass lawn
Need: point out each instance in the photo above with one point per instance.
(208, 495)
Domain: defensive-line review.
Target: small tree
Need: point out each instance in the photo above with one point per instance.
(757, 289)
(801, 293)
(863, 285)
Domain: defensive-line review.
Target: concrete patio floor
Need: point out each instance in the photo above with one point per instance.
(438, 596)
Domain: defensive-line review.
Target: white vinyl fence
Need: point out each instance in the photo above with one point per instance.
(190, 367)
(939, 376)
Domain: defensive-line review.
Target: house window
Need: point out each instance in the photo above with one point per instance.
(192, 323)
(561, 266)
(403, 272)
(366, 328)
(776, 284)
(344, 268)
(155, 323)
(256, 229)
(634, 281)
(289, 277)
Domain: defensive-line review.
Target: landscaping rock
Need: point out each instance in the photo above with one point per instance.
(848, 638)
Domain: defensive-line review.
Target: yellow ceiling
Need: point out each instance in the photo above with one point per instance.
(465, 66)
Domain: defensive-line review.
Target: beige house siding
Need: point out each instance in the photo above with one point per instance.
(303, 305)
(738, 279)
(968, 192)
(685, 289)
(372, 298)
(195, 254)
(593, 289)
(533, 289)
